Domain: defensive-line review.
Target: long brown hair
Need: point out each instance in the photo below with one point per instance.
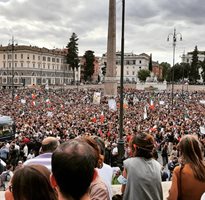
(32, 182)
(191, 152)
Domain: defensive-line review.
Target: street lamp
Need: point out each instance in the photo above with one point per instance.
(174, 40)
(12, 66)
(120, 140)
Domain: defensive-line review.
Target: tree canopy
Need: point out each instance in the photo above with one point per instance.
(194, 68)
(143, 74)
(72, 55)
(89, 65)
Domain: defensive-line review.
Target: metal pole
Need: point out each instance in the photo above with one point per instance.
(12, 60)
(121, 141)
(174, 45)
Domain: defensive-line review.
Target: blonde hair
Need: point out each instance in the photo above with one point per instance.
(191, 152)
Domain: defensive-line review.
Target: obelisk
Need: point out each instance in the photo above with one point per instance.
(110, 85)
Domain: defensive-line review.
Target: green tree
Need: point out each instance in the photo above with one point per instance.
(165, 69)
(150, 63)
(72, 55)
(194, 68)
(143, 74)
(89, 65)
(203, 70)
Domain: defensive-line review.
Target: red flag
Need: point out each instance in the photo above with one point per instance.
(102, 117)
(33, 96)
(151, 105)
(94, 119)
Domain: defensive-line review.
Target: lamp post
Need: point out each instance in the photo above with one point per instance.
(12, 66)
(120, 140)
(174, 40)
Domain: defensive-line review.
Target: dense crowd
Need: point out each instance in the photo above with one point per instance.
(67, 114)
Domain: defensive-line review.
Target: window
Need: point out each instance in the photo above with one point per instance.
(33, 65)
(133, 73)
(21, 64)
(4, 65)
(48, 66)
(33, 57)
(15, 64)
(140, 61)
(39, 57)
(57, 60)
(9, 56)
(4, 56)
(48, 59)
(9, 65)
(28, 56)
(21, 56)
(44, 58)
(53, 59)
(15, 56)
(127, 72)
(134, 62)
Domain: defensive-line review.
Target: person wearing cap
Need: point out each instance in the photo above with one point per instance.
(142, 172)
(48, 146)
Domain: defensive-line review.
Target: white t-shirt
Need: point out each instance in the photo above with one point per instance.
(106, 173)
(203, 196)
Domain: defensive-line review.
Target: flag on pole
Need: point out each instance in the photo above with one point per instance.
(102, 117)
(94, 119)
(33, 96)
(151, 105)
(145, 112)
(33, 103)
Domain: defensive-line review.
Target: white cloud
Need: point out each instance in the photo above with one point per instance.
(50, 23)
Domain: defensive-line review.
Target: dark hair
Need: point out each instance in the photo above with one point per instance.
(73, 165)
(32, 182)
(190, 148)
(142, 145)
(100, 144)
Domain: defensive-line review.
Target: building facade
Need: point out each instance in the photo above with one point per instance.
(187, 58)
(30, 65)
(132, 65)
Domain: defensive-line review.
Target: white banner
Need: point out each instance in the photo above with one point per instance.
(96, 97)
(112, 104)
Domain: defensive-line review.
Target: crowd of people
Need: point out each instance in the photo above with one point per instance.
(69, 114)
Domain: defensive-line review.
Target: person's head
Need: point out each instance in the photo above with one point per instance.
(101, 147)
(190, 150)
(94, 144)
(73, 166)
(142, 145)
(32, 182)
(49, 144)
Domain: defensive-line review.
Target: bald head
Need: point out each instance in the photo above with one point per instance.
(49, 144)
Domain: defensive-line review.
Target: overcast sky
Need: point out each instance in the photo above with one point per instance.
(50, 23)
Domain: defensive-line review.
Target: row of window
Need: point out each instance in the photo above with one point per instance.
(44, 58)
(128, 62)
(57, 67)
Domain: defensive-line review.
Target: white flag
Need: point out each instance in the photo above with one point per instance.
(145, 113)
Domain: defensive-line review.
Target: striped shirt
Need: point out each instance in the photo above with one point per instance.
(42, 159)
